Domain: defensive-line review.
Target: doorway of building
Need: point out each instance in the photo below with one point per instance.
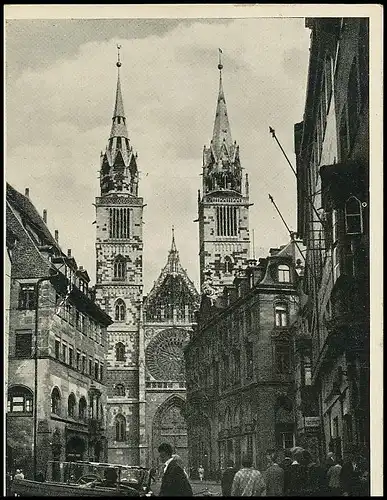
(75, 449)
(169, 426)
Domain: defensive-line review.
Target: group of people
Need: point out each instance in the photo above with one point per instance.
(297, 475)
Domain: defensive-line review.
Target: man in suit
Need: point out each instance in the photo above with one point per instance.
(227, 478)
(297, 475)
(274, 477)
(174, 482)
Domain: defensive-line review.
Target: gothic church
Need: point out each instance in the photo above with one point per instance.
(145, 366)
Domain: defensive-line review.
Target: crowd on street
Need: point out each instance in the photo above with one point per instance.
(298, 474)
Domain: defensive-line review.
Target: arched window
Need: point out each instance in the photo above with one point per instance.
(119, 390)
(120, 310)
(228, 265)
(283, 273)
(119, 268)
(82, 408)
(71, 403)
(55, 401)
(120, 428)
(120, 351)
(353, 216)
(20, 399)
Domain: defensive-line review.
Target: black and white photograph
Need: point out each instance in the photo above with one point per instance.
(193, 250)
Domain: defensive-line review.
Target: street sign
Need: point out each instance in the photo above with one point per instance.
(312, 421)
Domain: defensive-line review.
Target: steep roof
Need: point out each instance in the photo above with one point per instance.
(28, 212)
(173, 268)
(221, 136)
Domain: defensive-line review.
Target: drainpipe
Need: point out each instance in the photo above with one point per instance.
(37, 287)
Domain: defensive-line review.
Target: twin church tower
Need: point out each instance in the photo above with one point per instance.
(145, 366)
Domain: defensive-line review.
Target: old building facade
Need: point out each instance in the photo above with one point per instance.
(57, 350)
(239, 365)
(332, 149)
(145, 369)
(169, 316)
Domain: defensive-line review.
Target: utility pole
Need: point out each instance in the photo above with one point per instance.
(287, 227)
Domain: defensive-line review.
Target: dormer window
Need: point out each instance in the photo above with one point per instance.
(353, 216)
(283, 273)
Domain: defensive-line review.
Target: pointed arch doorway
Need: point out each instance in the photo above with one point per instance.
(169, 426)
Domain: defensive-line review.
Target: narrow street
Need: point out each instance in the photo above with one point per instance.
(204, 488)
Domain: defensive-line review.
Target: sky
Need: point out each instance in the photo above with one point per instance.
(60, 90)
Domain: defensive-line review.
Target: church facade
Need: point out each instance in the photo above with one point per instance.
(169, 315)
(145, 365)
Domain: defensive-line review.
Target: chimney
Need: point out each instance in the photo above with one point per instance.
(45, 216)
(56, 235)
(69, 253)
(81, 268)
(27, 192)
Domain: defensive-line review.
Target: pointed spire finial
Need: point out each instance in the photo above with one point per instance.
(220, 65)
(118, 63)
(221, 134)
(173, 246)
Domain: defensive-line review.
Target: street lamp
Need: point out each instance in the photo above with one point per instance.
(37, 286)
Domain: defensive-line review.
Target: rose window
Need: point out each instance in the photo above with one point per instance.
(164, 355)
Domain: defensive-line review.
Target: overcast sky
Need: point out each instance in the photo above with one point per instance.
(61, 80)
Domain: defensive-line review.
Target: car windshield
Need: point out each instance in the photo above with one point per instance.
(85, 472)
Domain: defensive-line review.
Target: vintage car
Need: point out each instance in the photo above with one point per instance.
(88, 479)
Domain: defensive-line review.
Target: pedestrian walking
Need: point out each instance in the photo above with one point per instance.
(315, 476)
(201, 472)
(297, 474)
(180, 462)
(355, 476)
(248, 481)
(327, 464)
(174, 482)
(227, 478)
(274, 477)
(333, 479)
(285, 465)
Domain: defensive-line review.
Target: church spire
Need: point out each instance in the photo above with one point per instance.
(173, 256)
(119, 170)
(221, 164)
(119, 120)
(173, 246)
(222, 133)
